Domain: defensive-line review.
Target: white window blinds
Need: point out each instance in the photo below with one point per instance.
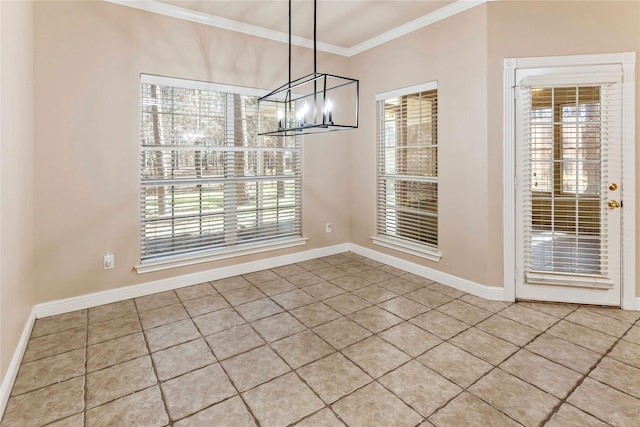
(408, 165)
(571, 157)
(207, 180)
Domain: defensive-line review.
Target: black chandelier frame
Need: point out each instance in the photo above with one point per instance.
(291, 100)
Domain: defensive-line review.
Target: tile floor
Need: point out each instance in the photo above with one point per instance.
(334, 341)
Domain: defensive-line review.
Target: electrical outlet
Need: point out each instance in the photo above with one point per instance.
(328, 227)
(109, 261)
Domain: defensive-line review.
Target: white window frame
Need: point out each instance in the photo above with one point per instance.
(410, 247)
(223, 252)
(627, 61)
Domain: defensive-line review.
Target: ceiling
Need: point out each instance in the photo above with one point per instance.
(344, 27)
(341, 23)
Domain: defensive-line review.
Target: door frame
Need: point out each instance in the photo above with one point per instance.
(628, 233)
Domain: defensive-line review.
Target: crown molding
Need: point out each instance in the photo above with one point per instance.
(424, 21)
(227, 24)
(178, 12)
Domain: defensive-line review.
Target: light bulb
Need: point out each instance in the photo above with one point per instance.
(280, 117)
(328, 110)
(328, 106)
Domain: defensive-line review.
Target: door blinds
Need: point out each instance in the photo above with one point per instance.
(207, 181)
(572, 134)
(408, 166)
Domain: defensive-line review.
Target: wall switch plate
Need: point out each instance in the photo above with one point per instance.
(328, 227)
(109, 261)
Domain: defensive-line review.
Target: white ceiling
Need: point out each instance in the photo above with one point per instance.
(343, 23)
(344, 27)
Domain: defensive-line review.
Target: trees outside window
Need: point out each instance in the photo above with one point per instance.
(207, 180)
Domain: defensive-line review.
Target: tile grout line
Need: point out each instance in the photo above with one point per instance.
(85, 349)
(586, 307)
(48, 385)
(22, 362)
(269, 344)
(374, 380)
(190, 318)
(56, 332)
(201, 336)
(466, 389)
(575, 344)
(411, 358)
(494, 367)
(238, 393)
(86, 337)
(292, 370)
(83, 375)
(153, 365)
(555, 408)
(85, 383)
(584, 377)
(463, 389)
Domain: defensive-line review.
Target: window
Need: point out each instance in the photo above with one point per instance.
(580, 143)
(565, 156)
(207, 181)
(564, 140)
(542, 153)
(408, 169)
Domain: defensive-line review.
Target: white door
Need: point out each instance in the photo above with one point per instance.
(568, 185)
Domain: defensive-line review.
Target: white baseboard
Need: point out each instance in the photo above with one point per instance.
(14, 366)
(483, 291)
(91, 300)
(120, 294)
(638, 304)
(114, 295)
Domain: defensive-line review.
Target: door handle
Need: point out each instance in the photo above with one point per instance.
(613, 204)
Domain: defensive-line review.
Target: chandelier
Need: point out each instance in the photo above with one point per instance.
(315, 103)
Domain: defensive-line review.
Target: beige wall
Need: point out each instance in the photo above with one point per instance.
(453, 52)
(465, 54)
(69, 183)
(88, 56)
(528, 29)
(17, 281)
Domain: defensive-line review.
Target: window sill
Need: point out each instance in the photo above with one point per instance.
(414, 249)
(216, 255)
